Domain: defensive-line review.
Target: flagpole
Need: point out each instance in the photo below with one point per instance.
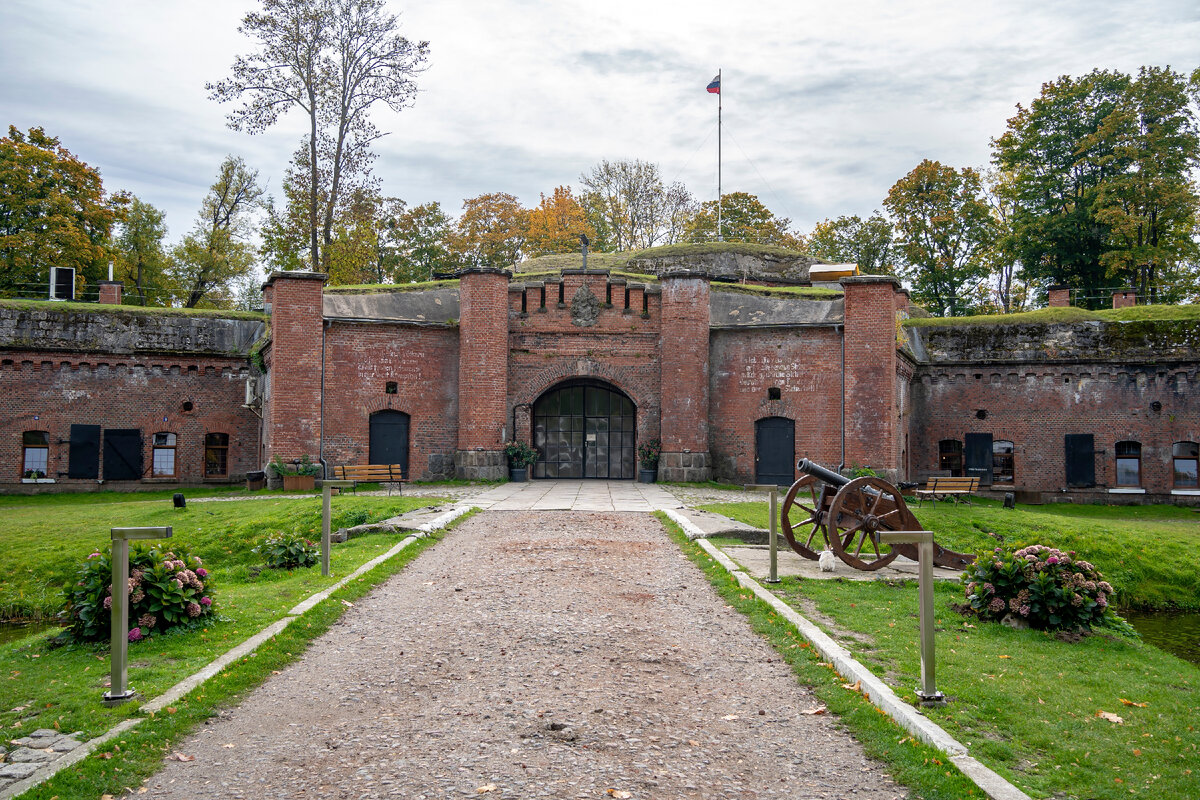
(720, 236)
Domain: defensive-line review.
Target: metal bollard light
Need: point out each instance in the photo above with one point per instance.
(772, 540)
(325, 523)
(119, 690)
(927, 692)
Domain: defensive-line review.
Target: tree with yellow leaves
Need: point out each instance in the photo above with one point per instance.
(556, 224)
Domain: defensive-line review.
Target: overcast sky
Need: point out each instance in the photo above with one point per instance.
(826, 104)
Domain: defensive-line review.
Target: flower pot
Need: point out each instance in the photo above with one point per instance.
(647, 475)
(298, 483)
(518, 474)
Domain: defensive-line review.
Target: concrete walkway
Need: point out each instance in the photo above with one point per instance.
(576, 495)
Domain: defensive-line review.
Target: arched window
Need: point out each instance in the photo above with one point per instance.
(35, 461)
(162, 464)
(950, 456)
(1002, 461)
(1186, 458)
(216, 455)
(1129, 464)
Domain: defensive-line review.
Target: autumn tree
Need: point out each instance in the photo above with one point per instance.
(630, 207)
(140, 258)
(218, 250)
(943, 229)
(54, 212)
(854, 240)
(333, 60)
(490, 233)
(743, 219)
(556, 224)
(417, 238)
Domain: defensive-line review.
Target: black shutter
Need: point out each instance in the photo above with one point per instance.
(122, 454)
(1081, 460)
(977, 457)
(84, 454)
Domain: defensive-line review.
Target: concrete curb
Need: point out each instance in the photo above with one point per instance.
(691, 529)
(181, 689)
(905, 715)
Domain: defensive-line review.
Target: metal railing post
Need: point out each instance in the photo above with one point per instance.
(119, 690)
(772, 537)
(326, 487)
(927, 692)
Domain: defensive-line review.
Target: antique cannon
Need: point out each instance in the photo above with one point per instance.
(848, 513)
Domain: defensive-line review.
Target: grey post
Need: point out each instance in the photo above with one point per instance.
(325, 495)
(772, 541)
(927, 692)
(119, 690)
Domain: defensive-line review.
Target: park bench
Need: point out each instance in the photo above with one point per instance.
(389, 474)
(946, 488)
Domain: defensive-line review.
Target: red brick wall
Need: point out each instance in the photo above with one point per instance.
(52, 391)
(684, 348)
(1036, 406)
(804, 363)
(871, 412)
(293, 407)
(547, 348)
(360, 360)
(483, 359)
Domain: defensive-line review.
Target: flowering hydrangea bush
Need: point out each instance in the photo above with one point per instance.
(288, 551)
(1045, 587)
(167, 589)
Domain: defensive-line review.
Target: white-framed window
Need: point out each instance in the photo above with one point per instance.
(35, 459)
(1185, 465)
(162, 464)
(1129, 464)
(216, 455)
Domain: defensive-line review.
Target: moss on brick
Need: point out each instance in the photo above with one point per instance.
(123, 311)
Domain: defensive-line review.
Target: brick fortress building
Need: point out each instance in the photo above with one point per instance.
(734, 357)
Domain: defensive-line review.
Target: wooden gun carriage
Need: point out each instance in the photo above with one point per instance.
(848, 514)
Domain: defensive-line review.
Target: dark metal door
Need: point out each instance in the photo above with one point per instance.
(389, 439)
(584, 430)
(775, 451)
(1081, 460)
(122, 454)
(977, 457)
(84, 453)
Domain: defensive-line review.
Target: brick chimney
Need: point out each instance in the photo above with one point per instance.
(1125, 298)
(110, 293)
(1060, 296)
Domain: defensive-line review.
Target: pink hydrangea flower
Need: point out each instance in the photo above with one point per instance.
(194, 610)
(108, 602)
(206, 601)
(93, 555)
(202, 572)
(135, 634)
(1052, 560)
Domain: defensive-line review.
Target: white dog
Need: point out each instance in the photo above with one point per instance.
(827, 560)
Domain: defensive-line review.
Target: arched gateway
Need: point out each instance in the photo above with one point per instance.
(585, 429)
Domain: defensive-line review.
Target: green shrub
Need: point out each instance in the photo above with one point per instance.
(288, 551)
(520, 455)
(1049, 589)
(167, 589)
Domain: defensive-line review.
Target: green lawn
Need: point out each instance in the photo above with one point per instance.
(44, 539)
(1027, 703)
(1148, 553)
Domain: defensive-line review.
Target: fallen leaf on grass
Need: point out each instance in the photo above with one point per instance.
(103, 755)
(729, 717)
(180, 757)
(1109, 716)
(813, 711)
(348, 603)
(490, 787)
(1131, 703)
(854, 687)
(1004, 656)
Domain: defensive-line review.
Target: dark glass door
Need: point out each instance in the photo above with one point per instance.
(584, 430)
(775, 451)
(389, 439)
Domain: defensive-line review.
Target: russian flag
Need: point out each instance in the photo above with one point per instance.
(714, 87)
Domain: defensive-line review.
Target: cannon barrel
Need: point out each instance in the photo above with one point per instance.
(824, 473)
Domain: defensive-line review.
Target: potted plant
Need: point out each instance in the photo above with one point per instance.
(648, 453)
(298, 476)
(520, 457)
(35, 476)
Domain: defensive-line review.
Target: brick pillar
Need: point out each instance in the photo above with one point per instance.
(293, 406)
(110, 292)
(684, 377)
(1060, 296)
(1122, 299)
(870, 331)
(482, 374)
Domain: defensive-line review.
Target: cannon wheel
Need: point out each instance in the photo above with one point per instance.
(861, 507)
(800, 535)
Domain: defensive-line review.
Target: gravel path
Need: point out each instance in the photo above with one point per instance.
(532, 655)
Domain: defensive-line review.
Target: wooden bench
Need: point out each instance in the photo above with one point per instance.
(372, 473)
(942, 488)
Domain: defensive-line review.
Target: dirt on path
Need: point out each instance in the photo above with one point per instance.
(532, 655)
